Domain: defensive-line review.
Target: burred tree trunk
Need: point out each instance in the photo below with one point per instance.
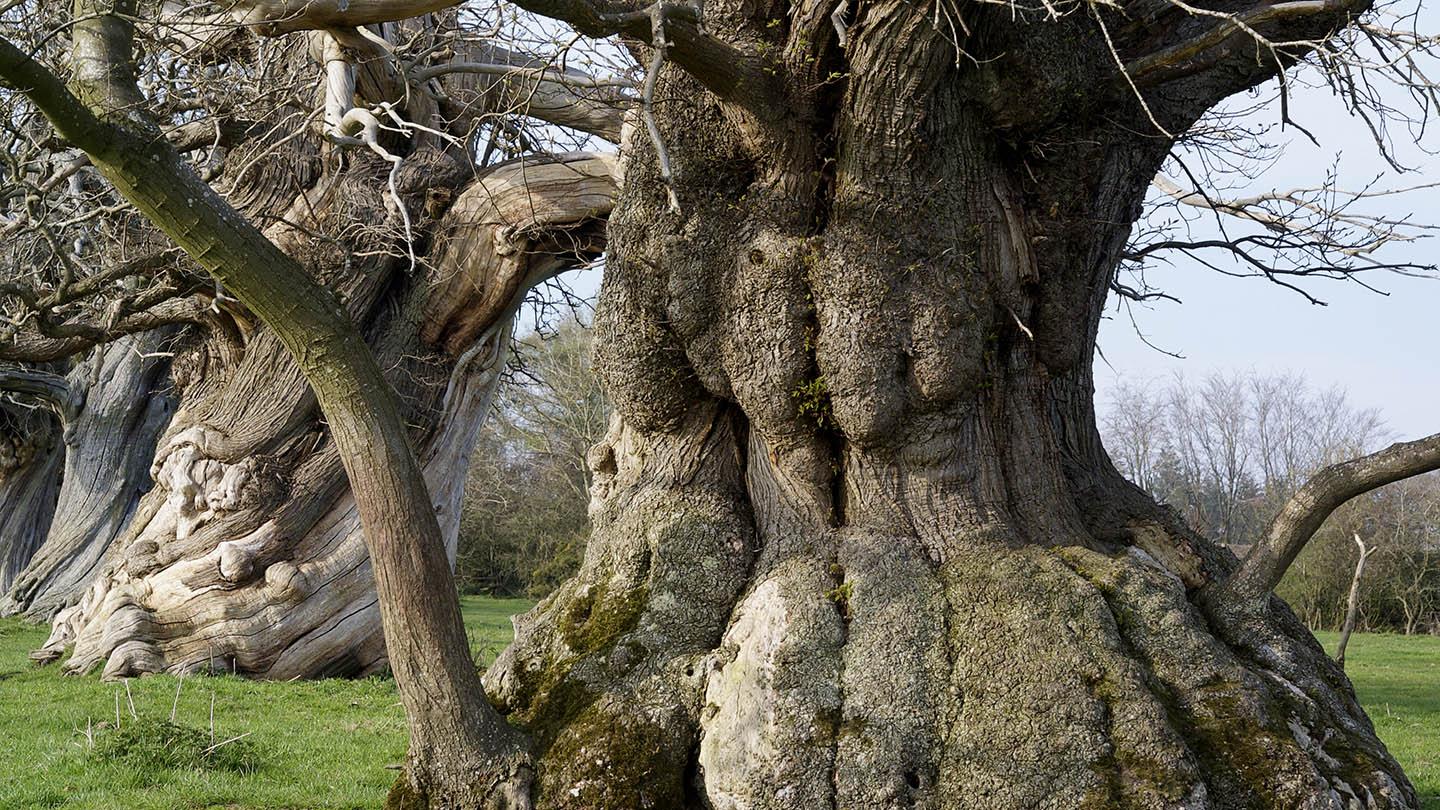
(856, 542)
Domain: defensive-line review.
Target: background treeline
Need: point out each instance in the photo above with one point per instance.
(523, 522)
(1228, 450)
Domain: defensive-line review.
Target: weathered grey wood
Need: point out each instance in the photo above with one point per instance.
(251, 562)
(1352, 602)
(31, 456)
(119, 407)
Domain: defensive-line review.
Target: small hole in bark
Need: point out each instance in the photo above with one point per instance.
(757, 257)
(912, 779)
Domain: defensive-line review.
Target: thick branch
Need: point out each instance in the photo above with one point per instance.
(489, 237)
(725, 70)
(492, 78)
(43, 385)
(275, 17)
(29, 347)
(1191, 56)
(1303, 514)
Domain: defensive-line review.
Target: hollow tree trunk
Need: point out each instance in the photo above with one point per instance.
(856, 543)
(119, 407)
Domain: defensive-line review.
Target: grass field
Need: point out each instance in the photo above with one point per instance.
(321, 744)
(1398, 681)
(333, 744)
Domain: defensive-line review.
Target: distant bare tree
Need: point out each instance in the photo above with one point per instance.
(1230, 452)
(524, 522)
(1406, 581)
(1135, 430)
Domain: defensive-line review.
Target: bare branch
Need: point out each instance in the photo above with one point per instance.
(725, 70)
(485, 78)
(1303, 514)
(51, 388)
(568, 78)
(276, 17)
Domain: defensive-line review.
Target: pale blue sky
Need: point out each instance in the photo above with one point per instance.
(1384, 350)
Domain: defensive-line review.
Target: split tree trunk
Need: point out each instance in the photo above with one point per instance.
(247, 555)
(856, 542)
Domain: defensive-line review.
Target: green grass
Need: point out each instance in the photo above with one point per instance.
(487, 624)
(333, 744)
(1398, 681)
(319, 744)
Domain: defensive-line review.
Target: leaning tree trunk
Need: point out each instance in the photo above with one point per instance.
(118, 404)
(856, 542)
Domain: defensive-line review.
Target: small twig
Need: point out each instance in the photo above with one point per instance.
(227, 742)
(130, 700)
(89, 736)
(1021, 324)
(359, 126)
(175, 706)
(1352, 606)
(647, 102)
(1129, 80)
(837, 19)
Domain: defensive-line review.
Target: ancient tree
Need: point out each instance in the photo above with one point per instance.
(856, 542)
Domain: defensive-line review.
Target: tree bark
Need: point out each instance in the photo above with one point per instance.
(118, 408)
(31, 456)
(248, 556)
(856, 542)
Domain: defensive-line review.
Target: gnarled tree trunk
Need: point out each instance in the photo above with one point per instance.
(118, 406)
(856, 543)
(247, 555)
(31, 457)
